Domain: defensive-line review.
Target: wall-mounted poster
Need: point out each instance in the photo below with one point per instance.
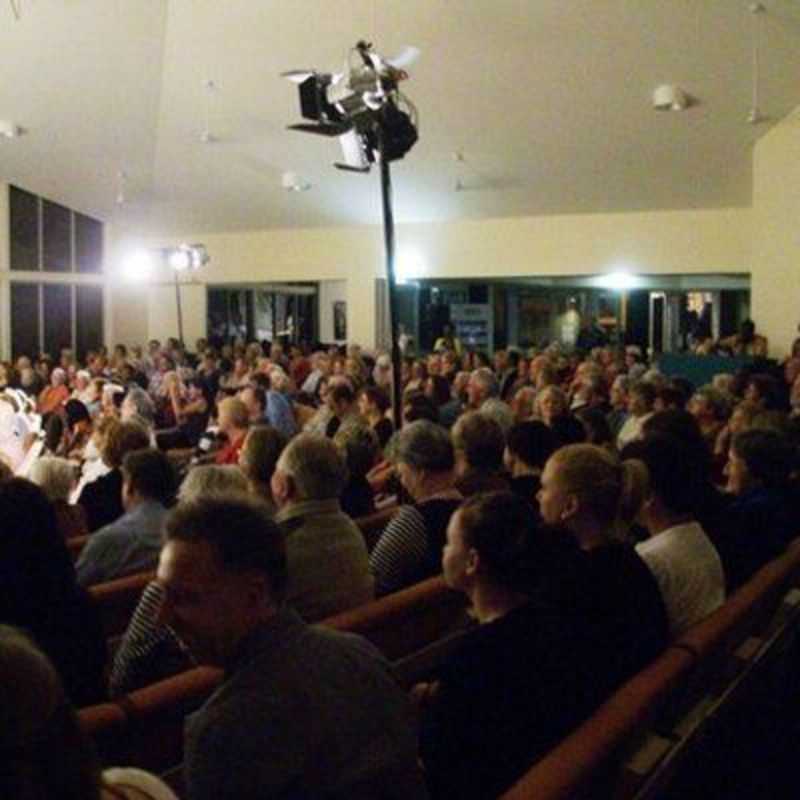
(340, 320)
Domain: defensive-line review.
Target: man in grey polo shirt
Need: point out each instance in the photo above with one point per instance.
(303, 711)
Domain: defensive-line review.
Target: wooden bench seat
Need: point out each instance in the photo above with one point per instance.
(116, 601)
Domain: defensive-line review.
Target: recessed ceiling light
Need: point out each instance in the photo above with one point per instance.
(10, 130)
(671, 98)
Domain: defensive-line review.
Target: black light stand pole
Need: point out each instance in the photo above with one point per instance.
(388, 239)
(178, 304)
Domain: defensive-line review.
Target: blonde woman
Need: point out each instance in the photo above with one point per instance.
(586, 490)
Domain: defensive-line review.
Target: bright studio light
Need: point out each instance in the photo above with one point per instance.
(180, 259)
(409, 266)
(138, 266)
(619, 281)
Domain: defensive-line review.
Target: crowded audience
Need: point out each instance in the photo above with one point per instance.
(588, 506)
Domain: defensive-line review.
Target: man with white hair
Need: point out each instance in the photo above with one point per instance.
(326, 553)
(482, 386)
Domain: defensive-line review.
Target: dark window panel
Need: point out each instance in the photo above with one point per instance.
(88, 244)
(24, 320)
(57, 318)
(24, 229)
(56, 237)
(89, 319)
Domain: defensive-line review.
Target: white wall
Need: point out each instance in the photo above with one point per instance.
(775, 298)
(667, 242)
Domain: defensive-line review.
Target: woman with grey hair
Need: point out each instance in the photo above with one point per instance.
(57, 478)
(410, 548)
(212, 479)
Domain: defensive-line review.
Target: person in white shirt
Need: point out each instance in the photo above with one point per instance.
(641, 397)
(682, 558)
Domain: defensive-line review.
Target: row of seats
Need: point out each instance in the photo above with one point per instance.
(636, 740)
(145, 727)
(116, 600)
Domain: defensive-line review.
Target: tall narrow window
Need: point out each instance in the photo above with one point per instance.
(57, 318)
(56, 237)
(25, 319)
(24, 229)
(88, 319)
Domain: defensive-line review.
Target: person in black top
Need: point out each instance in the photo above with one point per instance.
(528, 446)
(358, 446)
(39, 593)
(102, 498)
(583, 489)
(373, 403)
(762, 517)
(525, 677)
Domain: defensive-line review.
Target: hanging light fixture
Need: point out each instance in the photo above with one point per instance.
(754, 116)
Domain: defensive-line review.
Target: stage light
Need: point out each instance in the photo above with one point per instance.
(138, 266)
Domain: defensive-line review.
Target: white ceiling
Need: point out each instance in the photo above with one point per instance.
(548, 100)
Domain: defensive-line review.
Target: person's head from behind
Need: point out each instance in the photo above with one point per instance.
(528, 446)
(582, 489)
(122, 438)
(217, 480)
(424, 457)
(681, 425)
(641, 397)
(147, 476)
(43, 752)
(223, 571)
(340, 399)
(478, 442)
(758, 459)
(56, 476)
(677, 478)
(494, 541)
(359, 447)
(309, 468)
(259, 456)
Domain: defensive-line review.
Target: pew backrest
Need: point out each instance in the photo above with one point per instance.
(116, 601)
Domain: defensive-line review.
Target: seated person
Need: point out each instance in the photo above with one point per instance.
(39, 592)
(234, 420)
(409, 549)
(150, 651)
(478, 443)
(102, 498)
(131, 544)
(304, 711)
(260, 452)
(373, 403)
(679, 553)
(528, 446)
(327, 556)
(525, 678)
(641, 397)
(584, 488)
(359, 447)
(763, 516)
(58, 478)
(45, 752)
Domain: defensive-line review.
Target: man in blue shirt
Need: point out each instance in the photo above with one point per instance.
(132, 543)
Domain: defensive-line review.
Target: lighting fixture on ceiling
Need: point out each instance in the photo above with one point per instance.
(10, 130)
(187, 256)
(754, 115)
(206, 137)
(669, 97)
(362, 106)
(292, 182)
(16, 9)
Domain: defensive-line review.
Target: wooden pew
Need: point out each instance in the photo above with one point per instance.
(406, 621)
(116, 601)
(634, 743)
(151, 735)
